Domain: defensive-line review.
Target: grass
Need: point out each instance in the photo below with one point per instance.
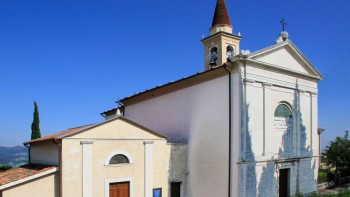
(341, 193)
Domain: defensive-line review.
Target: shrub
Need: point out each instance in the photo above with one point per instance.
(345, 172)
(322, 176)
(325, 175)
(4, 167)
(344, 193)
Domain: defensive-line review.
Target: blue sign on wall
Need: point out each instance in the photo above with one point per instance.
(157, 192)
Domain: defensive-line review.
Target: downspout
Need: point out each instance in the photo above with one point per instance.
(245, 112)
(229, 129)
(242, 117)
(27, 145)
(59, 166)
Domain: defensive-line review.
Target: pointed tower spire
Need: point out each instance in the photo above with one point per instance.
(221, 19)
(221, 16)
(222, 45)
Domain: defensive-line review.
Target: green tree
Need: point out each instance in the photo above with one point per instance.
(337, 154)
(35, 125)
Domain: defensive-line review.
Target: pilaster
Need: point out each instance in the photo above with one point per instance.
(87, 168)
(148, 167)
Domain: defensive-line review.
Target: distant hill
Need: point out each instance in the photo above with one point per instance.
(13, 156)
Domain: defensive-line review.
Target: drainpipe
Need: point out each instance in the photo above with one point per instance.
(28, 146)
(229, 129)
(59, 165)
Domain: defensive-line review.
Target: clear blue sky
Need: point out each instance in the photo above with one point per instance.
(75, 58)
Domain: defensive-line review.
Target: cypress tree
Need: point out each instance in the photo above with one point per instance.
(35, 125)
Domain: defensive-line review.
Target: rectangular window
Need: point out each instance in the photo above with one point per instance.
(157, 192)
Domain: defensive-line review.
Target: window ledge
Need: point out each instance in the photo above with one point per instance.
(119, 165)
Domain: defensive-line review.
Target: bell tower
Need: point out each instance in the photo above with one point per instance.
(222, 45)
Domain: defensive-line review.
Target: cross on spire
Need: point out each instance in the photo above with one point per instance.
(283, 22)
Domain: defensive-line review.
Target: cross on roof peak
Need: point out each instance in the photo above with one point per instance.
(283, 22)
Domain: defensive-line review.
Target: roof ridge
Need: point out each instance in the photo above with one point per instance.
(80, 126)
(56, 134)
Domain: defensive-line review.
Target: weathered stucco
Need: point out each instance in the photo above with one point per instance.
(178, 166)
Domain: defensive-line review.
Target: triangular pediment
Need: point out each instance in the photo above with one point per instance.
(286, 56)
(115, 128)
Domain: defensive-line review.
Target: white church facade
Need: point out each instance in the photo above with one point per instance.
(246, 126)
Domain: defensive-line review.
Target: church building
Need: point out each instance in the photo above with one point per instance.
(247, 125)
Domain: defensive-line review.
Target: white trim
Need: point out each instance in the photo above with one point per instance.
(267, 49)
(280, 83)
(119, 165)
(87, 168)
(55, 169)
(119, 152)
(291, 46)
(119, 180)
(267, 84)
(148, 142)
(246, 80)
(276, 67)
(86, 142)
(148, 182)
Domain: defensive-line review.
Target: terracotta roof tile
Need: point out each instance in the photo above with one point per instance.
(22, 172)
(55, 135)
(221, 14)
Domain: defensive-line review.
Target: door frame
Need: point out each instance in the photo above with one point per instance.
(121, 180)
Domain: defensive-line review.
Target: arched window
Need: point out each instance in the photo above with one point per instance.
(283, 111)
(213, 56)
(119, 159)
(229, 53)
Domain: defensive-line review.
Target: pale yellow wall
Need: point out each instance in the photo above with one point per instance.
(71, 168)
(47, 186)
(218, 28)
(161, 160)
(221, 41)
(113, 136)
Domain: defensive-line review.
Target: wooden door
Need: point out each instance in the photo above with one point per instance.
(176, 189)
(119, 189)
(284, 183)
